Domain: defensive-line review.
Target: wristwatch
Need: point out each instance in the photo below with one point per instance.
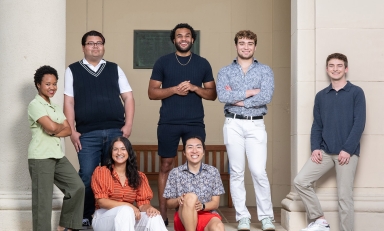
(203, 206)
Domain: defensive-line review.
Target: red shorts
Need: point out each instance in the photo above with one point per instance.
(203, 218)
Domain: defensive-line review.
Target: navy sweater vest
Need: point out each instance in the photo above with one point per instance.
(97, 97)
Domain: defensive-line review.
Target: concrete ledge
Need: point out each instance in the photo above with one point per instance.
(369, 211)
(22, 220)
(23, 201)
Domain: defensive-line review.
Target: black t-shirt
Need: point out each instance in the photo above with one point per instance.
(178, 109)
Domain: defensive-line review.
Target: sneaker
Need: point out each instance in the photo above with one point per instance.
(244, 224)
(266, 224)
(86, 223)
(317, 227)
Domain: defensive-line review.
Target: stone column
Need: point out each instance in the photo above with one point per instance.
(32, 34)
(293, 216)
(320, 28)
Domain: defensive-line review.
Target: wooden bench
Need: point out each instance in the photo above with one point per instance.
(216, 155)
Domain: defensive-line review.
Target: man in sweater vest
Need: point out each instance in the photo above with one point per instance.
(93, 91)
(177, 81)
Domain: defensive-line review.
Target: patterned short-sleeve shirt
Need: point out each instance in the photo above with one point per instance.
(205, 184)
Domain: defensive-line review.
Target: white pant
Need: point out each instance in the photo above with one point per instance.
(122, 218)
(248, 138)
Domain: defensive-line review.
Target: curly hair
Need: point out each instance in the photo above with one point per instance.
(338, 56)
(245, 34)
(183, 25)
(131, 171)
(92, 33)
(44, 70)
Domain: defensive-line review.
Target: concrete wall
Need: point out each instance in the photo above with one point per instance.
(218, 21)
(320, 28)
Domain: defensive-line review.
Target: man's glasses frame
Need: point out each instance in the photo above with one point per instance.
(92, 44)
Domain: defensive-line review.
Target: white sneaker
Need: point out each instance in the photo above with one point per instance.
(244, 224)
(317, 227)
(266, 224)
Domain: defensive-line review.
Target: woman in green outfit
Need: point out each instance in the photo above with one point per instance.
(46, 160)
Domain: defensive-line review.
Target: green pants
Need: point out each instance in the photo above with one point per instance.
(46, 172)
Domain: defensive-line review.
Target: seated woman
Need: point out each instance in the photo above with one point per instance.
(194, 189)
(116, 187)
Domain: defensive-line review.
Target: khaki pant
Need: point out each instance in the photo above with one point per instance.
(345, 175)
(46, 172)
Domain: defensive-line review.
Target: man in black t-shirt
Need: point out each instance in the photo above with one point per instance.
(177, 80)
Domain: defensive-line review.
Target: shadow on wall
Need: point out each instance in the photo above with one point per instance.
(21, 136)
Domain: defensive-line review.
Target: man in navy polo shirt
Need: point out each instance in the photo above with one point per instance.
(177, 80)
(93, 91)
(338, 123)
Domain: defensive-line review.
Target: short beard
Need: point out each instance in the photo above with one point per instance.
(185, 50)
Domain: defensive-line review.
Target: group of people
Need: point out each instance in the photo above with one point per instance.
(110, 193)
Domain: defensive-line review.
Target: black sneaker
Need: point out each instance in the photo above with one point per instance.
(166, 222)
(86, 223)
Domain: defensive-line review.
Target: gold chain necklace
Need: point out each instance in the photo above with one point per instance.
(181, 63)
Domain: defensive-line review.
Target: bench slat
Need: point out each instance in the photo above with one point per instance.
(211, 151)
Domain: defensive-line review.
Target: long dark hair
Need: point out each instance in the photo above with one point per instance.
(131, 172)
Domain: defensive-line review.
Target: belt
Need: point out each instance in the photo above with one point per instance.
(242, 117)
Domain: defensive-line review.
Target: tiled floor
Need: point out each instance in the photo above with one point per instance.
(228, 216)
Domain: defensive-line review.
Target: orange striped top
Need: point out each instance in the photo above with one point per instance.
(107, 185)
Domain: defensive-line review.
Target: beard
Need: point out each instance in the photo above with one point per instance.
(183, 50)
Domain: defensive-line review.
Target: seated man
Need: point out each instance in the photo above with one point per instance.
(194, 189)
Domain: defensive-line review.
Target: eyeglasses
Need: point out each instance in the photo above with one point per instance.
(92, 44)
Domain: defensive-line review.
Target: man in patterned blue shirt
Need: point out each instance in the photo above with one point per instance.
(246, 86)
(194, 189)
